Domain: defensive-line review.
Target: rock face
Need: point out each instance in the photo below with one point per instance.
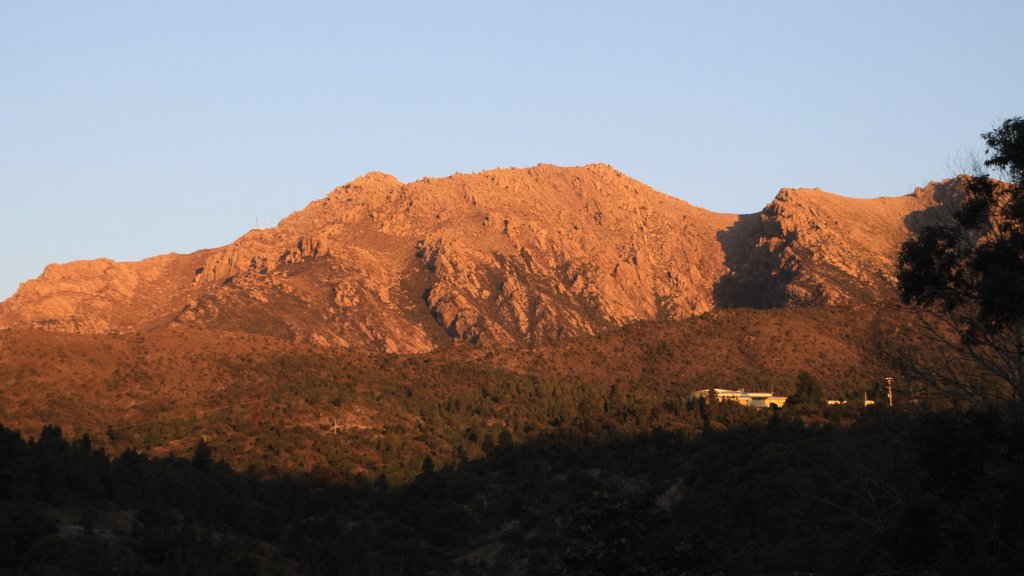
(812, 247)
(503, 257)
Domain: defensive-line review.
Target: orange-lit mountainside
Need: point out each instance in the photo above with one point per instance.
(573, 280)
(487, 374)
(502, 258)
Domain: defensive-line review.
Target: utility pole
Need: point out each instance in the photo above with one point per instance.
(888, 389)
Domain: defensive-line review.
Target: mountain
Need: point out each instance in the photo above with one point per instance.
(808, 246)
(595, 304)
(500, 258)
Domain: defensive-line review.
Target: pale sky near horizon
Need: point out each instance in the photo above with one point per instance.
(130, 129)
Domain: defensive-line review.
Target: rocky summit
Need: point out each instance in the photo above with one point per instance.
(499, 258)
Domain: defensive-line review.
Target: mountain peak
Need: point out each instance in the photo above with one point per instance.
(372, 182)
(501, 257)
(801, 194)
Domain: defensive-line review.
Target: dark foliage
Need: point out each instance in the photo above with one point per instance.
(892, 493)
(970, 271)
(808, 391)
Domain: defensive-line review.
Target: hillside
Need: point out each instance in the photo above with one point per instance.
(501, 258)
(269, 403)
(487, 374)
(892, 493)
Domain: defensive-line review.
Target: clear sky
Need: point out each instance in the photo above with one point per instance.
(129, 129)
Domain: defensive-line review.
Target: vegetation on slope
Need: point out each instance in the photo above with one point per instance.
(893, 493)
(274, 405)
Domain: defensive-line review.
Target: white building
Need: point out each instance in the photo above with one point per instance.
(742, 397)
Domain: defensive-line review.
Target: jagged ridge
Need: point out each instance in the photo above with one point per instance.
(502, 257)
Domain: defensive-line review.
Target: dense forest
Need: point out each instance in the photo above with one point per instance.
(808, 490)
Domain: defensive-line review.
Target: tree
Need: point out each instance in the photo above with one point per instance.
(202, 457)
(428, 468)
(808, 391)
(968, 273)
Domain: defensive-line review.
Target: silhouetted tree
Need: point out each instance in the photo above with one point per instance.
(428, 468)
(505, 440)
(808, 391)
(969, 273)
(203, 455)
(708, 405)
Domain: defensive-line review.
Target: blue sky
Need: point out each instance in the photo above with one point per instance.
(129, 129)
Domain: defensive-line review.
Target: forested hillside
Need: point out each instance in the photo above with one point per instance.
(275, 405)
(894, 493)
